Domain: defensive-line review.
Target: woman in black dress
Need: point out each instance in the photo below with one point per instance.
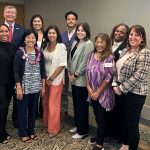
(7, 52)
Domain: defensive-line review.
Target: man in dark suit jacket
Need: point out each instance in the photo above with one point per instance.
(68, 37)
(10, 14)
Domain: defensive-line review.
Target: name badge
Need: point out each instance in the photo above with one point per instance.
(108, 65)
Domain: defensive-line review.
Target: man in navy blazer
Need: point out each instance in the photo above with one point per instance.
(10, 14)
(68, 37)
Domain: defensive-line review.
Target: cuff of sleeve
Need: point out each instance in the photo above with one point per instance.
(121, 87)
(63, 64)
(114, 84)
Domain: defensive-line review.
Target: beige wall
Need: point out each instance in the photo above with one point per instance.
(102, 15)
(14, 1)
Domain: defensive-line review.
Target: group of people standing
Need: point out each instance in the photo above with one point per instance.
(109, 73)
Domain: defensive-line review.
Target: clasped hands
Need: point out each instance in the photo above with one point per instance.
(117, 90)
(93, 94)
(72, 78)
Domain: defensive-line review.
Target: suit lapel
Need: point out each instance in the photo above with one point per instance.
(16, 29)
(66, 35)
(79, 48)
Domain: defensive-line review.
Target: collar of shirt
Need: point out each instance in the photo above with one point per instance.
(116, 45)
(13, 24)
(70, 34)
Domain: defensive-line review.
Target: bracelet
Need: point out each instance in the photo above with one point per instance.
(75, 75)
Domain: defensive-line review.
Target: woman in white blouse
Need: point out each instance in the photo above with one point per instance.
(37, 25)
(55, 62)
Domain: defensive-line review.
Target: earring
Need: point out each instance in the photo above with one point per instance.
(142, 43)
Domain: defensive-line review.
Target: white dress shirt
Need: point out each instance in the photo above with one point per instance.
(116, 45)
(70, 34)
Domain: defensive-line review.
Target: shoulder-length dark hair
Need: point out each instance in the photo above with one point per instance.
(28, 32)
(58, 40)
(31, 21)
(114, 29)
(108, 49)
(141, 32)
(86, 28)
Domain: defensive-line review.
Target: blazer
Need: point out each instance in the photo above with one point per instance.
(134, 72)
(78, 62)
(118, 51)
(18, 34)
(65, 40)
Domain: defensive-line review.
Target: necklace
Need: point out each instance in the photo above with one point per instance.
(27, 58)
(51, 47)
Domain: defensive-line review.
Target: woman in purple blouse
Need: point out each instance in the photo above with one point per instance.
(100, 71)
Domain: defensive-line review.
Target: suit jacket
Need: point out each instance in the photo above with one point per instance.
(118, 51)
(18, 34)
(65, 40)
(134, 72)
(78, 62)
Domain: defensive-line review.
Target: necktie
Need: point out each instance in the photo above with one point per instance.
(10, 34)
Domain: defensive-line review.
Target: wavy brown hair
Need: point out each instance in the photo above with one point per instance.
(141, 31)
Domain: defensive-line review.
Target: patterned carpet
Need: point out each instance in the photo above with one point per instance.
(61, 141)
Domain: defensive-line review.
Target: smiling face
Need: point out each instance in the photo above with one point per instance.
(37, 23)
(81, 34)
(135, 39)
(30, 40)
(10, 15)
(71, 21)
(100, 44)
(120, 34)
(52, 35)
(4, 32)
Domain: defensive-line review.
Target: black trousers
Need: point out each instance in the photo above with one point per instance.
(15, 111)
(132, 105)
(100, 116)
(113, 120)
(27, 108)
(64, 97)
(5, 97)
(81, 109)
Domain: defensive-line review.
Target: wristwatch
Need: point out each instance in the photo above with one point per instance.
(51, 79)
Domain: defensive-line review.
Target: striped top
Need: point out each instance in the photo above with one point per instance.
(31, 82)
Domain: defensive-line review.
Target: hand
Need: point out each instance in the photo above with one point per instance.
(71, 77)
(117, 90)
(90, 91)
(95, 95)
(48, 82)
(19, 94)
(43, 91)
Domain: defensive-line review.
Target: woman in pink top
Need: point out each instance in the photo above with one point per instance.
(55, 55)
